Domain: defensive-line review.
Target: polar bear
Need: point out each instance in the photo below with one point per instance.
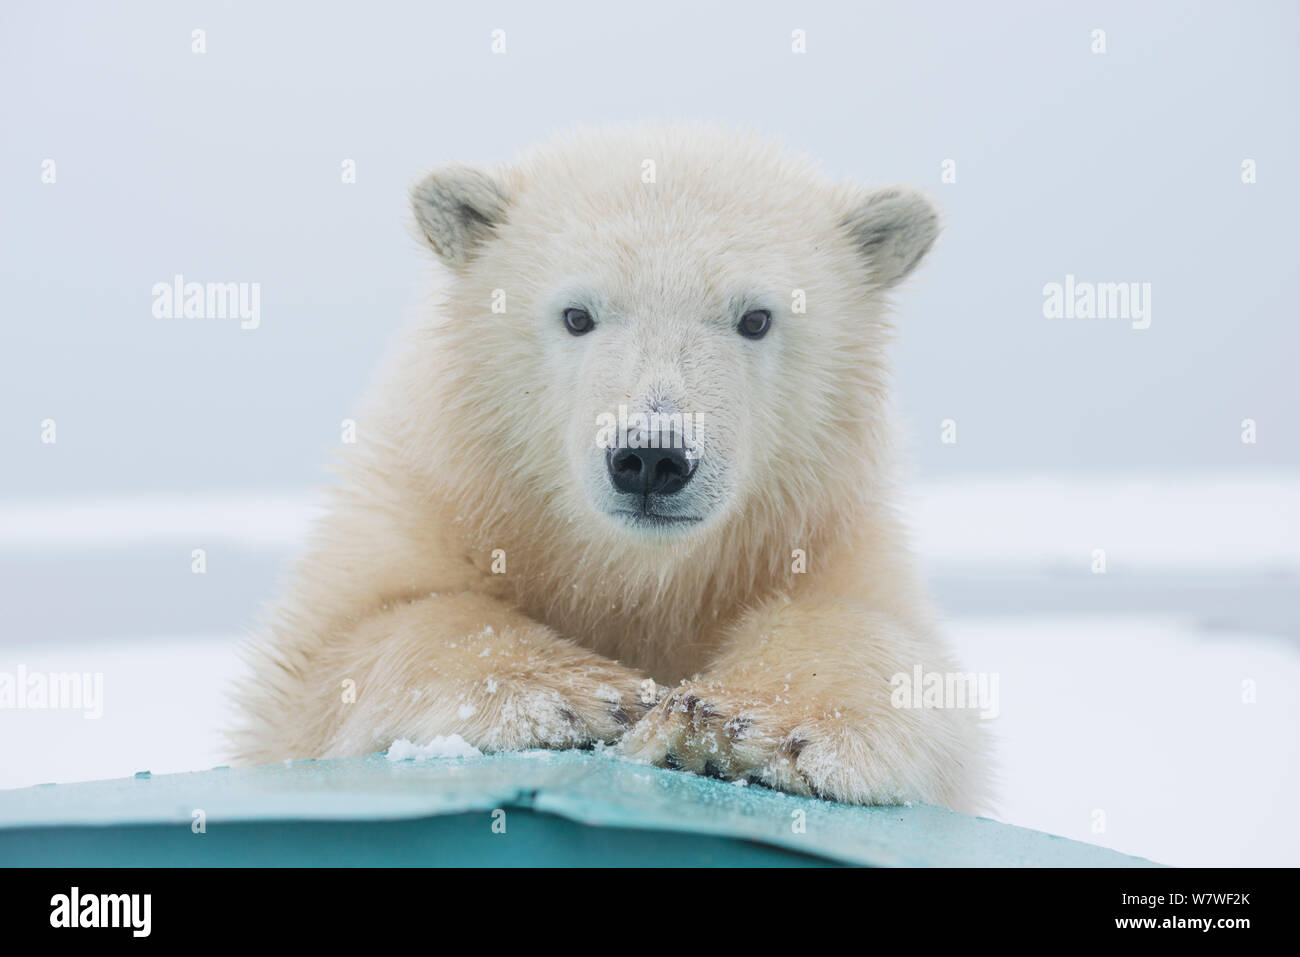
(630, 482)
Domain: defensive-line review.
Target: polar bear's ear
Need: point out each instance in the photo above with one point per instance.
(457, 207)
(895, 228)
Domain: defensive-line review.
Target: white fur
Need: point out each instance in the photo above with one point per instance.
(481, 437)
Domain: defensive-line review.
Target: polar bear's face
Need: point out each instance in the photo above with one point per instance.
(672, 355)
(654, 332)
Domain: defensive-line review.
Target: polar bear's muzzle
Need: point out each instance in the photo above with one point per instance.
(661, 468)
(646, 471)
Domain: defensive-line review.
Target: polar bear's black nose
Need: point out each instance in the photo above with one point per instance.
(662, 470)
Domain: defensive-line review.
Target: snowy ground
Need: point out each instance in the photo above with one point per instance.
(1159, 701)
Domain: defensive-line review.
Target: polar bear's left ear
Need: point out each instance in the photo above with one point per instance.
(895, 228)
(458, 207)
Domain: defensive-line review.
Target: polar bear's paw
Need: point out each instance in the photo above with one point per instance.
(566, 708)
(708, 729)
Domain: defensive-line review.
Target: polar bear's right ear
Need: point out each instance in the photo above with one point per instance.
(895, 227)
(457, 208)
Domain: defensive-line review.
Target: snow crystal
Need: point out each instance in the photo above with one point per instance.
(451, 746)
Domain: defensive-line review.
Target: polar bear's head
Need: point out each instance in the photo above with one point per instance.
(654, 331)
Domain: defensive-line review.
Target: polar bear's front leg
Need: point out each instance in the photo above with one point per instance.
(470, 665)
(800, 700)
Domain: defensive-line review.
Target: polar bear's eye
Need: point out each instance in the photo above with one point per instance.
(755, 323)
(578, 321)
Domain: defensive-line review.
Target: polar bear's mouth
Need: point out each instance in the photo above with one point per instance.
(648, 519)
